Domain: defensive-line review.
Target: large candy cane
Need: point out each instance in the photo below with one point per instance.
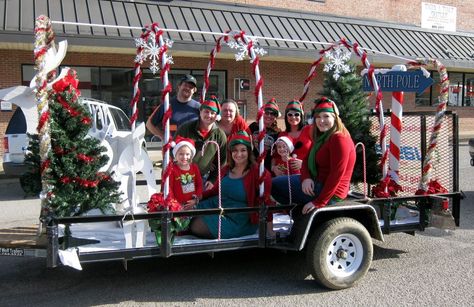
(152, 45)
(378, 104)
(396, 130)
(44, 39)
(439, 117)
(210, 66)
(247, 47)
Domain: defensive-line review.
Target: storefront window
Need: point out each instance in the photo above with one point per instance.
(430, 96)
(469, 90)
(151, 87)
(114, 86)
(455, 93)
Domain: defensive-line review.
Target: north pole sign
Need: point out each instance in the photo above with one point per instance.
(399, 81)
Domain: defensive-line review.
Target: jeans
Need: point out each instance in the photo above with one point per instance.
(281, 193)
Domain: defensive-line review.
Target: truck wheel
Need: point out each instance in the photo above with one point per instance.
(339, 253)
(472, 162)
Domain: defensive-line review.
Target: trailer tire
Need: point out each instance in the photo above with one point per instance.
(339, 253)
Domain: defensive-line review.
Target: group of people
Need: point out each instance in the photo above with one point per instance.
(318, 158)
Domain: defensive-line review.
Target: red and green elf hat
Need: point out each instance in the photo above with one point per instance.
(272, 106)
(294, 105)
(212, 104)
(241, 137)
(325, 104)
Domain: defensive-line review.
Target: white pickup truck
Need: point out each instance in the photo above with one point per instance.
(110, 123)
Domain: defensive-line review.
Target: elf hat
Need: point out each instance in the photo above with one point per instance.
(211, 104)
(241, 137)
(272, 106)
(287, 140)
(294, 105)
(325, 104)
(180, 142)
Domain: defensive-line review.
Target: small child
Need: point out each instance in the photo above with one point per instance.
(281, 158)
(185, 183)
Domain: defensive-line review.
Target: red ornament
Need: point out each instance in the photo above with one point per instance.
(86, 120)
(84, 158)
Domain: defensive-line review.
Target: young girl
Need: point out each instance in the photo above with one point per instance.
(185, 184)
(282, 157)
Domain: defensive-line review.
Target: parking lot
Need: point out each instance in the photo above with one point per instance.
(433, 268)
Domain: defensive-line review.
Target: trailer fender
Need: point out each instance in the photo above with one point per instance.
(305, 224)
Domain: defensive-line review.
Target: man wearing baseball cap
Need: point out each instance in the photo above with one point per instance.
(184, 108)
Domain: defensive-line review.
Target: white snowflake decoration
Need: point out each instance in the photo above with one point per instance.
(242, 52)
(338, 62)
(151, 50)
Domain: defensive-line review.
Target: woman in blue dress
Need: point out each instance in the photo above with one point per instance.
(240, 188)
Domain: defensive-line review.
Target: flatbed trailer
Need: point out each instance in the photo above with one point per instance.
(337, 239)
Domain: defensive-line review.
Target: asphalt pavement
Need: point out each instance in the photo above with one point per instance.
(432, 268)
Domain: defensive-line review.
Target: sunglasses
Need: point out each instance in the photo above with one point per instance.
(270, 113)
(293, 114)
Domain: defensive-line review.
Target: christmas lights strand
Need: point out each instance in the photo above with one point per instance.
(44, 38)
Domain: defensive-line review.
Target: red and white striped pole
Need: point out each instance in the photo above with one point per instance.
(396, 130)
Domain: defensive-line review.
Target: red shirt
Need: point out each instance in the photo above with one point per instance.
(239, 124)
(302, 143)
(335, 162)
(185, 183)
(278, 161)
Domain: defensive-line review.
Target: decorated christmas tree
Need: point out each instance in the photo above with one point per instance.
(73, 164)
(344, 86)
(31, 180)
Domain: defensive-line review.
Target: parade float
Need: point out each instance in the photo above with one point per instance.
(418, 186)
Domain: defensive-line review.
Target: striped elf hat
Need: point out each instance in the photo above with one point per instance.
(325, 104)
(241, 137)
(212, 104)
(294, 105)
(272, 106)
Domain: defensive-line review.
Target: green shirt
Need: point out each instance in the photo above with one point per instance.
(207, 163)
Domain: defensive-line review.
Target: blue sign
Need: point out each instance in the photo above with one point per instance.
(400, 81)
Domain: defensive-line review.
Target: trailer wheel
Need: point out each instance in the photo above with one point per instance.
(340, 253)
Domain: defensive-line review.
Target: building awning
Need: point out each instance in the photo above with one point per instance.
(455, 50)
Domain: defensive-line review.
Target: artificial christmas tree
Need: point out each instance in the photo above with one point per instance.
(30, 181)
(344, 87)
(72, 167)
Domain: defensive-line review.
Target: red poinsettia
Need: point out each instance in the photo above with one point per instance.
(434, 187)
(386, 188)
(158, 203)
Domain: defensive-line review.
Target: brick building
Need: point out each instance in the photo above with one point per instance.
(104, 57)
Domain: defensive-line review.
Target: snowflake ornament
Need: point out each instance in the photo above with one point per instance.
(338, 62)
(242, 50)
(151, 50)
